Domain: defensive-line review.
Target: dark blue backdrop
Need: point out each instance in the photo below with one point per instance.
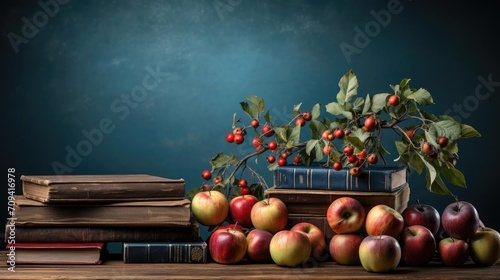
(151, 86)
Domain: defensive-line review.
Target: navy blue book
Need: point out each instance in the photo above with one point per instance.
(381, 178)
(165, 252)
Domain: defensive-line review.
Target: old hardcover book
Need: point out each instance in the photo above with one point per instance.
(101, 188)
(57, 253)
(71, 234)
(316, 202)
(165, 252)
(374, 178)
(29, 212)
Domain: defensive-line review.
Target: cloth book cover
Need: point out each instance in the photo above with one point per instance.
(29, 212)
(57, 253)
(100, 188)
(165, 252)
(372, 179)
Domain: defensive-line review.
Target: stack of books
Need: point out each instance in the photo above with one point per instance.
(308, 191)
(71, 218)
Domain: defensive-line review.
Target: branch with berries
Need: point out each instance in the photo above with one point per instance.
(350, 136)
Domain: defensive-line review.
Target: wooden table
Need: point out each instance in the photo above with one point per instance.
(116, 269)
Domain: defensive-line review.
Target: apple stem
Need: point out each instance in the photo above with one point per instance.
(235, 224)
(418, 202)
(343, 219)
(456, 200)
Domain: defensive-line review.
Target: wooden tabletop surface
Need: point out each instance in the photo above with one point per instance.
(116, 269)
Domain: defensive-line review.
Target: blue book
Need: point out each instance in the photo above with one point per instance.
(165, 252)
(381, 178)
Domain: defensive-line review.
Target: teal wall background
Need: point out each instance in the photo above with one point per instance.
(72, 72)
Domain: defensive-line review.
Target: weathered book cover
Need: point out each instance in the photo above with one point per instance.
(100, 188)
(374, 178)
(135, 213)
(315, 202)
(165, 252)
(57, 253)
(71, 234)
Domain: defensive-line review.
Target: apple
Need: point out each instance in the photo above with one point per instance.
(227, 246)
(240, 208)
(380, 253)
(460, 219)
(485, 246)
(383, 219)
(418, 245)
(210, 208)
(452, 251)
(290, 248)
(269, 214)
(315, 235)
(232, 226)
(344, 248)
(258, 241)
(422, 214)
(345, 215)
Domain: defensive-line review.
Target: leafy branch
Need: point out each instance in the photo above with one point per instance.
(350, 136)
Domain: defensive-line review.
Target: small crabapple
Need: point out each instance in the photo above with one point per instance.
(281, 162)
(372, 158)
(337, 165)
(307, 116)
(245, 191)
(348, 150)
(352, 158)
(256, 141)
(369, 123)
(255, 123)
(325, 134)
(427, 148)
(238, 139)
(267, 130)
(206, 174)
(410, 133)
(217, 180)
(230, 137)
(296, 160)
(272, 145)
(362, 154)
(237, 131)
(355, 171)
(242, 183)
(271, 159)
(393, 100)
(338, 133)
(300, 121)
(443, 141)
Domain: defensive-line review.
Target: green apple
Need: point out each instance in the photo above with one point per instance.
(485, 246)
(210, 208)
(290, 248)
(379, 253)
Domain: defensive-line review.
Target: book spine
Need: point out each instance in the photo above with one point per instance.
(104, 234)
(304, 177)
(175, 252)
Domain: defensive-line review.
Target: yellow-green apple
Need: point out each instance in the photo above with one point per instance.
(344, 248)
(380, 253)
(460, 219)
(290, 248)
(345, 215)
(258, 241)
(485, 246)
(315, 235)
(210, 208)
(422, 214)
(452, 251)
(418, 245)
(227, 246)
(240, 208)
(269, 214)
(383, 219)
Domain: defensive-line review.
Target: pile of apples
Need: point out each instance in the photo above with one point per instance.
(379, 239)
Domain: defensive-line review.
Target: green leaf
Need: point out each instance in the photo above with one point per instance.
(293, 135)
(221, 159)
(317, 128)
(431, 171)
(404, 84)
(416, 162)
(258, 102)
(367, 105)
(336, 109)
(421, 96)
(437, 186)
(296, 110)
(280, 133)
(316, 111)
(358, 104)
(448, 128)
(267, 116)
(311, 145)
(191, 193)
(355, 141)
(468, 131)
(454, 176)
(348, 85)
(379, 101)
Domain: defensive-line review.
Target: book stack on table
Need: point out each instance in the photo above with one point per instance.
(69, 219)
(308, 191)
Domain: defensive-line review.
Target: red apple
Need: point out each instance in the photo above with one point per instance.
(316, 237)
(380, 253)
(383, 219)
(453, 252)
(258, 241)
(422, 214)
(485, 246)
(418, 245)
(460, 219)
(240, 208)
(345, 215)
(269, 214)
(210, 208)
(290, 248)
(344, 248)
(227, 246)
